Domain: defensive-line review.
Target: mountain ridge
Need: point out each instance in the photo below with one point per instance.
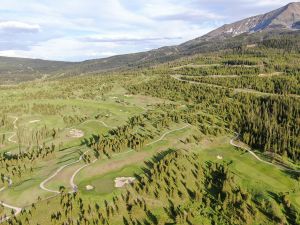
(284, 19)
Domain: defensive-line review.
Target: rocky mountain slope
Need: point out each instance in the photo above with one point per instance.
(287, 18)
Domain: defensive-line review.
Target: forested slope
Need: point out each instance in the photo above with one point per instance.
(14, 70)
(255, 90)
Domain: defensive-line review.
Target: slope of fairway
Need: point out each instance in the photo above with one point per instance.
(255, 175)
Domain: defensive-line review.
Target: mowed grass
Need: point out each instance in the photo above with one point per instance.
(256, 176)
(26, 189)
(102, 173)
(4, 212)
(118, 114)
(104, 184)
(36, 121)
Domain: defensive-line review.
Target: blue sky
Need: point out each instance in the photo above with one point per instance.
(75, 30)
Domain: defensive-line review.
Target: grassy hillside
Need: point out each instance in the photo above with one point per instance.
(14, 70)
(206, 139)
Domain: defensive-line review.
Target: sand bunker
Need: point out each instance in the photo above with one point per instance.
(74, 133)
(121, 181)
(34, 121)
(219, 157)
(89, 187)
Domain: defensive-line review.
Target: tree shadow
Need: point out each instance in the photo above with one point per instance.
(292, 174)
(150, 163)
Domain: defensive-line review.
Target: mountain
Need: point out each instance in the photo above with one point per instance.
(285, 20)
(253, 29)
(21, 69)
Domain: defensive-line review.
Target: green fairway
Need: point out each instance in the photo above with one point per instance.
(255, 175)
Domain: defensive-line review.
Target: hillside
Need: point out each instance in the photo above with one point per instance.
(14, 70)
(203, 133)
(253, 30)
(207, 139)
(284, 18)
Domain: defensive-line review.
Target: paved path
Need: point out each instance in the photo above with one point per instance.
(244, 90)
(257, 157)
(74, 186)
(13, 134)
(42, 185)
(87, 121)
(16, 209)
(72, 183)
(15, 127)
(165, 134)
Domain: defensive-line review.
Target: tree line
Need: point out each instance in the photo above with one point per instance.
(269, 123)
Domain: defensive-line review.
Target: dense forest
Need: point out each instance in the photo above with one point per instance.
(188, 191)
(260, 120)
(142, 129)
(275, 84)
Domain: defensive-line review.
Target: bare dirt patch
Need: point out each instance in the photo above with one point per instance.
(122, 181)
(75, 133)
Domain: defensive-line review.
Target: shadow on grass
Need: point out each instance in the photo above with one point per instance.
(92, 140)
(292, 174)
(290, 211)
(150, 163)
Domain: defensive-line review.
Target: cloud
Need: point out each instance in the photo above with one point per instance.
(16, 26)
(181, 11)
(84, 29)
(127, 39)
(267, 3)
(192, 16)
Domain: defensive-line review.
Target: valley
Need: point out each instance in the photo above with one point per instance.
(205, 132)
(76, 136)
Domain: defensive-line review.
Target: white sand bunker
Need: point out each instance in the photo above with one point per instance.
(219, 157)
(89, 187)
(76, 133)
(121, 181)
(34, 121)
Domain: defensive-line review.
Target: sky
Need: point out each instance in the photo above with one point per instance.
(78, 30)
